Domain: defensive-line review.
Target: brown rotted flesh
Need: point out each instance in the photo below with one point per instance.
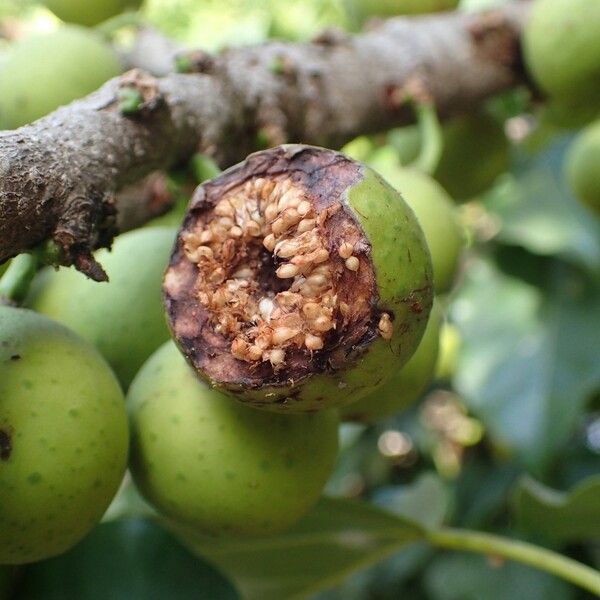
(271, 278)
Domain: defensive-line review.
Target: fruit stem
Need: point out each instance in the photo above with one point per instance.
(523, 552)
(14, 284)
(432, 141)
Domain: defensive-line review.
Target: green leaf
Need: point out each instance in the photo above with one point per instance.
(463, 576)
(537, 210)
(426, 501)
(132, 559)
(559, 516)
(529, 360)
(336, 538)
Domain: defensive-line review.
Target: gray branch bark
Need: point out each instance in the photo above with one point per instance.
(59, 176)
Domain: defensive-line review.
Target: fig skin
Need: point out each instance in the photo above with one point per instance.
(209, 462)
(583, 166)
(407, 386)
(45, 71)
(391, 8)
(475, 153)
(561, 45)
(90, 12)
(123, 318)
(438, 219)
(64, 437)
(403, 276)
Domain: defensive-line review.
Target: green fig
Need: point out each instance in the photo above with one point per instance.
(561, 45)
(438, 218)
(123, 318)
(300, 280)
(45, 71)
(365, 9)
(475, 153)
(583, 166)
(211, 463)
(63, 437)
(90, 12)
(406, 386)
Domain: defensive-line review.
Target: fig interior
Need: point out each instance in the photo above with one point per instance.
(284, 277)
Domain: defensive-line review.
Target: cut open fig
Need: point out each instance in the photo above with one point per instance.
(300, 280)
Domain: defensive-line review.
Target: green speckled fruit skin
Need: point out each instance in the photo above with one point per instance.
(90, 12)
(407, 385)
(562, 47)
(404, 277)
(583, 166)
(390, 8)
(64, 437)
(206, 460)
(45, 71)
(123, 318)
(438, 218)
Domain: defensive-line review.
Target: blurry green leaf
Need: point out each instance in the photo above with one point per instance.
(538, 212)
(333, 540)
(126, 560)
(474, 577)
(558, 515)
(425, 501)
(529, 361)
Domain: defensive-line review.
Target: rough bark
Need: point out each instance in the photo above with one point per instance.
(58, 176)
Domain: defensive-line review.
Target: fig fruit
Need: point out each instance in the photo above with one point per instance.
(406, 386)
(45, 71)
(561, 44)
(583, 166)
(475, 153)
(123, 318)
(438, 218)
(63, 437)
(210, 462)
(300, 280)
(91, 12)
(390, 8)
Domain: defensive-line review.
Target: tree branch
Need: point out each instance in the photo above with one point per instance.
(59, 175)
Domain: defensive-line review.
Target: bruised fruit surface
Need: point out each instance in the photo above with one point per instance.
(45, 71)
(562, 47)
(63, 437)
(438, 218)
(583, 166)
(300, 280)
(407, 385)
(207, 460)
(90, 12)
(123, 318)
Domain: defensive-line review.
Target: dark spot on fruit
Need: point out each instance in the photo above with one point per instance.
(5, 445)
(15, 357)
(416, 307)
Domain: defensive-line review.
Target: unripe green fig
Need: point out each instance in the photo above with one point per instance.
(583, 166)
(123, 318)
(561, 45)
(438, 218)
(90, 12)
(300, 280)
(210, 462)
(127, 559)
(450, 342)
(390, 8)
(406, 386)
(475, 153)
(45, 71)
(63, 437)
